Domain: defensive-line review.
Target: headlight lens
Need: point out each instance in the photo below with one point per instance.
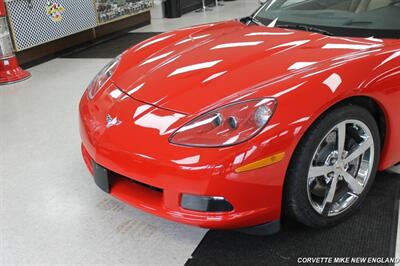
(102, 77)
(228, 125)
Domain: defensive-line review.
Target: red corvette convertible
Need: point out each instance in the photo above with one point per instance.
(230, 125)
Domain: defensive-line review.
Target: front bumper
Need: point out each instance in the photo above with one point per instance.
(151, 174)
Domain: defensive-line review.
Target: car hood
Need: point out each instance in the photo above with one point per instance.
(204, 68)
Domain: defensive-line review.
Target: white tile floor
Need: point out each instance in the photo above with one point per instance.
(50, 210)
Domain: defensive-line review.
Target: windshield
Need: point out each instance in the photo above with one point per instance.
(358, 18)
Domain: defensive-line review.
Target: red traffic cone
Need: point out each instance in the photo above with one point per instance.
(10, 71)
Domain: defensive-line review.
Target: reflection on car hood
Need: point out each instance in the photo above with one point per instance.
(206, 67)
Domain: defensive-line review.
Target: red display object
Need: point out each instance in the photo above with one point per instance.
(10, 71)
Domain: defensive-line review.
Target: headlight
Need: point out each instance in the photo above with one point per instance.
(102, 77)
(228, 125)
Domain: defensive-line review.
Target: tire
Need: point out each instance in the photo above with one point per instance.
(303, 195)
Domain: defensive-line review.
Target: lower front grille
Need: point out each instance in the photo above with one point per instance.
(107, 179)
(114, 176)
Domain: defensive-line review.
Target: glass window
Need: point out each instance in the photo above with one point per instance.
(341, 17)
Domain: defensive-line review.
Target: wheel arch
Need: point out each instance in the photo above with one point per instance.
(369, 103)
(372, 106)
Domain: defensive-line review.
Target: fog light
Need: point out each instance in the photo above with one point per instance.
(205, 204)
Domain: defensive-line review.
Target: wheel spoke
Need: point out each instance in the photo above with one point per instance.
(316, 171)
(356, 187)
(362, 148)
(326, 205)
(341, 138)
(341, 167)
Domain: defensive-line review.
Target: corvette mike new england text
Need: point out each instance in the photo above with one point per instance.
(352, 260)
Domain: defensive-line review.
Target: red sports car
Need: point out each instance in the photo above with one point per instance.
(231, 125)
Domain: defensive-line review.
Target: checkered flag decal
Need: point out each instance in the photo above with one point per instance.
(32, 25)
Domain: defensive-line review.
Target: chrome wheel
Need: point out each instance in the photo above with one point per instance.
(340, 168)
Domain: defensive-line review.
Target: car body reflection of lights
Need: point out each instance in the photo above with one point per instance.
(192, 38)
(137, 88)
(300, 120)
(279, 94)
(300, 65)
(350, 46)
(390, 58)
(154, 41)
(155, 58)
(194, 67)
(235, 44)
(141, 109)
(269, 33)
(214, 76)
(199, 103)
(287, 46)
(116, 93)
(187, 161)
(333, 82)
(160, 123)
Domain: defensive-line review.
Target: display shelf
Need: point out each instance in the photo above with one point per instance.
(43, 28)
(112, 10)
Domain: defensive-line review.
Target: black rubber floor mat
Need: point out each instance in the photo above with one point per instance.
(112, 47)
(369, 233)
